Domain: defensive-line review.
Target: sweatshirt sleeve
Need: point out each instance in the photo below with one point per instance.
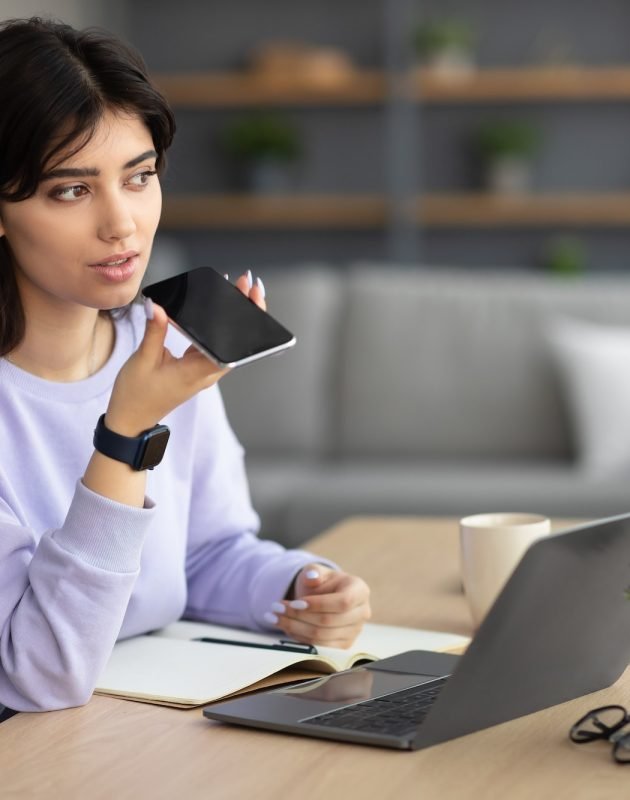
(232, 575)
(63, 599)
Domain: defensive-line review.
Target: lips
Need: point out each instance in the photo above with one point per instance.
(115, 260)
(117, 268)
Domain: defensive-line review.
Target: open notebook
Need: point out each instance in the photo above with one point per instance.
(169, 667)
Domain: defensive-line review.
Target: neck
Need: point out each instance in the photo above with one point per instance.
(64, 348)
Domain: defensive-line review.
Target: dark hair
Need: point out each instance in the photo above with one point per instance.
(56, 82)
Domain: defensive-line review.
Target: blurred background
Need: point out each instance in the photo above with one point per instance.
(304, 108)
(428, 187)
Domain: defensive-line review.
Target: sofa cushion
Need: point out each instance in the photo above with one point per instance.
(595, 363)
(457, 364)
(285, 404)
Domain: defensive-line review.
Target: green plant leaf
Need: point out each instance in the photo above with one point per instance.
(261, 135)
(431, 36)
(506, 138)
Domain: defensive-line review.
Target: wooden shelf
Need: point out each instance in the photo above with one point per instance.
(601, 210)
(365, 212)
(365, 87)
(213, 90)
(526, 84)
(246, 211)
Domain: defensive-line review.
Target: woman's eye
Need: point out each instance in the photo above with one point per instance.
(142, 178)
(69, 193)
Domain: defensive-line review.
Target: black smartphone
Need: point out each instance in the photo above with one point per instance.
(218, 319)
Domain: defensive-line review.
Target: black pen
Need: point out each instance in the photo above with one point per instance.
(285, 645)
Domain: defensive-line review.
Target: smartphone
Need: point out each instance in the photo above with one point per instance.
(227, 327)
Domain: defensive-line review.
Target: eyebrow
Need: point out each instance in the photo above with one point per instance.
(89, 172)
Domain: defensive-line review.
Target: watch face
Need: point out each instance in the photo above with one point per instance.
(156, 442)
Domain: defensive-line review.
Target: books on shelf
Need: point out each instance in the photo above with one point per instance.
(172, 667)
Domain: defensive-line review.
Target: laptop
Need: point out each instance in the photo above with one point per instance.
(559, 629)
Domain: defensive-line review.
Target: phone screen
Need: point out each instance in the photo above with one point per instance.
(229, 327)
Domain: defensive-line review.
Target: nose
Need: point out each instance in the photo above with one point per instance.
(115, 220)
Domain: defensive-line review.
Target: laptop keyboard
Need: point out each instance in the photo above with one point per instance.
(396, 714)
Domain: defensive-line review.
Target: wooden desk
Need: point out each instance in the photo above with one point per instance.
(115, 749)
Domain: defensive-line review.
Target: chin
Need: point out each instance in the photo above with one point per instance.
(123, 296)
(122, 300)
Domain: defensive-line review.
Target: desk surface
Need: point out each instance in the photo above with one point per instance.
(120, 749)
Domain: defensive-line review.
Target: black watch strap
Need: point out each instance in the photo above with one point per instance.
(140, 452)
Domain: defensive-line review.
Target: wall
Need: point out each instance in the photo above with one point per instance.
(79, 13)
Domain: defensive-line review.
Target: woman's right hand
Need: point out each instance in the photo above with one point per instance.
(150, 385)
(153, 382)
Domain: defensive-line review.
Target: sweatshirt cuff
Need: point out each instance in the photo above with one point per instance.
(272, 585)
(104, 533)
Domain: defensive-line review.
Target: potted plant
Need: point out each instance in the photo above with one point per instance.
(445, 45)
(262, 147)
(505, 149)
(565, 255)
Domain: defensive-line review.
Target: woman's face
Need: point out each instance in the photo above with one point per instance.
(84, 238)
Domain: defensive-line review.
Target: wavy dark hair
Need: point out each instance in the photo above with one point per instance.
(56, 83)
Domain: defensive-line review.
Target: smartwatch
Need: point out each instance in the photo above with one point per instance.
(140, 452)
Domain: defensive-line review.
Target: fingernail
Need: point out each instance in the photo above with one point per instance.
(261, 286)
(271, 618)
(250, 278)
(279, 608)
(311, 574)
(226, 276)
(298, 605)
(148, 307)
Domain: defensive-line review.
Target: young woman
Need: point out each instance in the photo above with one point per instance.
(95, 543)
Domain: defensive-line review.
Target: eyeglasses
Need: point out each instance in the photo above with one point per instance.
(608, 722)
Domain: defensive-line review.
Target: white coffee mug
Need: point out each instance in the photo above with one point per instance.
(491, 545)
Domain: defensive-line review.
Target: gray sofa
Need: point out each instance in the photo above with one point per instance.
(416, 391)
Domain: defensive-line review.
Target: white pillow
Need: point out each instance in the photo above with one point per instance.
(594, 362)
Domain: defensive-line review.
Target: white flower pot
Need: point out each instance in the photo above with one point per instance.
(270, 176)
(509, 175)
(450, 62)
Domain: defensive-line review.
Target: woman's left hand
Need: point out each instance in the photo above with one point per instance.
(329, 607)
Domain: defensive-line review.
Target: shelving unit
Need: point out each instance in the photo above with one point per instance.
(371, 212)
(370, 87)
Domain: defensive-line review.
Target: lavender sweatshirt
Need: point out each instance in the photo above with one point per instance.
(78, 570)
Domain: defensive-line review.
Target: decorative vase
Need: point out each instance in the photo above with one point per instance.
(267, 176)
(450, 61)
(508, 175)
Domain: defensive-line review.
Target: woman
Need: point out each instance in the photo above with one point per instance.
(94, 545)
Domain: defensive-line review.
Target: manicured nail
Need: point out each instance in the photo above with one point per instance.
(148, 307)
(250, 278)
(278, 608)
(271, 618)
(311, 574)
(298, 605)
(226, 276)
(261, 286)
